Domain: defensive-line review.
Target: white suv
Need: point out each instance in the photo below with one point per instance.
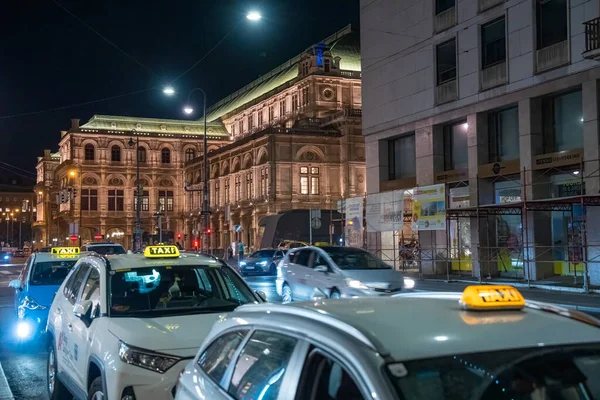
(123, 327)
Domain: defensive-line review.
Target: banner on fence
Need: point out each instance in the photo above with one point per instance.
(385, 211)
(354, 221)
(429, 208)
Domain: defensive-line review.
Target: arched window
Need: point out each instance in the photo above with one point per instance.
(141, 154)
(115, 153)
(89, 152)
(165, 156)
(190, 154)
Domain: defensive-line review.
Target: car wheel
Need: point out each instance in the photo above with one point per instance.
(286, 294)
(335, 294)
(95, 391)
(56, 390)
(273, 270)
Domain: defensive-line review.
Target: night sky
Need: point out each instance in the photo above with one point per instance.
(48, 59)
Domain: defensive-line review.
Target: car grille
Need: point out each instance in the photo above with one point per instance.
(379, 290)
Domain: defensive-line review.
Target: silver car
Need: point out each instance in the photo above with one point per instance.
(332, 271)
(261, 261)
(411, 346)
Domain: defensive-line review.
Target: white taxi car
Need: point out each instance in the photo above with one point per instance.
(123, 326)
(485, 343)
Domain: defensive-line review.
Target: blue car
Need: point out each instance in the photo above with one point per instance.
(34, 290)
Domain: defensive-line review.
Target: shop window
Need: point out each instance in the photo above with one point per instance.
(115, 153)
(401, 157)
(504, 135)
(145, 200)
(551, 22)
(563, 122)
(89, 152)
(165, 200)
(493, 43)
(455, 146)
(446, 62)
(115, 200)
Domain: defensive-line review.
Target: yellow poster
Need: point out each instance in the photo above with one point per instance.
(429, 208)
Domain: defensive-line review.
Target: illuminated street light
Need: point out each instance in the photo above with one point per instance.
(40, 193)
(254, 16)
(72, 173)
(169, 91)
(188, 110)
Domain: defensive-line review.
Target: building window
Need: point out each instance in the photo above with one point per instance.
(241, 126)
(455, 146)
(304, 96)
(309, 180)
(282, 109)
(115, 153)
(264, 181)
(227, 191)
(493, 43)
(503, 128)
(89, 199)
(250, 122)
(165, 200)
(249, 186)
(401, 157)
(141, 154)
(295, 102)
(551, 22)
(115, 200)
(145, 200)
(563, 122)
(190, 154)
(232, 129)
(446, 61)
(260, 117)
(271, 113)
(216, 193)
(165, 156)
(89, 152)
(443, 5)
(327, 65)
(238, 188)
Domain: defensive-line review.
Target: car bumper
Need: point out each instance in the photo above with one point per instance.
(279, 286)
(255, 269)
(31, 325)
(145, 384)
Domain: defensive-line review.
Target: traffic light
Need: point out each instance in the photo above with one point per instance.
(208, 231)
(196, 244)
(179, 236)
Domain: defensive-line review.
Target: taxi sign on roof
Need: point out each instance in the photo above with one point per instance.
(161, 252)
(491, 297)
(65, 251)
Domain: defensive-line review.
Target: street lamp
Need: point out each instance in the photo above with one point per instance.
(138, 197)
(188, 110)
(254, 16)
(168, 90)
(73, 174)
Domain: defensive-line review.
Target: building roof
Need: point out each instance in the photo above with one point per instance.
(438, 326)
(162, 127)
(344, 44)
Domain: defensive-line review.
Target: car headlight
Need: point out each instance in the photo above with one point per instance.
(356, 284)
(262, 263)
(242, 263)
(409, 283)
(146, 358)
(30, 304)
(7, 257)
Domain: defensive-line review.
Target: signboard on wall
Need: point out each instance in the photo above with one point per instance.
(560, 159)
(354, 221)
(385, 211)
(429, 208)
(459, 197)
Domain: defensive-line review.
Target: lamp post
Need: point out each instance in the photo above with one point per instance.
(138, 195)
(72, 174)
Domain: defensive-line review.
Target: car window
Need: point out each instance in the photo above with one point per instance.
(326, 379)
(260, 367)
(91, 291)
(107, 250)
(217, 357)
(350, 258)
(50, 272)
(279, 254)
(72, 287)
(302, 257)
(263, 254)
(25, 272)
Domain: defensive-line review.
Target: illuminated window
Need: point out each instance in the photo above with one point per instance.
(309, 180)
(165, 200)
(145, 200)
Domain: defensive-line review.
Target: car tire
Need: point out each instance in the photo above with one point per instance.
(56, 390)
(335, 294)
(96, 392)
(286, 294)
(273, 270)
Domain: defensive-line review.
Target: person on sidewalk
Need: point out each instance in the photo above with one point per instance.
(240, 251)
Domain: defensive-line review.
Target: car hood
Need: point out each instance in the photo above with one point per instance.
(252, 260)
(43, 294)
(179, 335)
(377, 278)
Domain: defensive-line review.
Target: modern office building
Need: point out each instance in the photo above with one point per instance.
(498, 101)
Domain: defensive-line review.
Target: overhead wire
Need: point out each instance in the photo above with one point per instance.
(17, 173)
(18, 168)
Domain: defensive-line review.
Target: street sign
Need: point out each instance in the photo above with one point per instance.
(73, 238)
(195, 232)
(315, 223)
(237, 228)
(97, 236)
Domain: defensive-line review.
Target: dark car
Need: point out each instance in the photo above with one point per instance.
(262, 261)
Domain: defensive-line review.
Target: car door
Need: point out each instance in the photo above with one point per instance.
(325, 280)
(299, 272)
(24, 278)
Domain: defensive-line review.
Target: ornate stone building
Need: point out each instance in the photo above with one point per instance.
(98, 161)
(296, 142)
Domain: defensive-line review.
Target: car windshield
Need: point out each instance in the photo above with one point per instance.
(50, 272)
(263, 254)
(107, 250)
(356, 259)
(166, 290)
(568, 373)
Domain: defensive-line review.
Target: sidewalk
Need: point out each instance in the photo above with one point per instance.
(5, 392)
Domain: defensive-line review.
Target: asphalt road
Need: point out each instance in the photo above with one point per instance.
(25, 365)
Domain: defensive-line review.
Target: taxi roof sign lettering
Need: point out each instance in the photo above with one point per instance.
(161, 252)
(492, 297)
(65, 251)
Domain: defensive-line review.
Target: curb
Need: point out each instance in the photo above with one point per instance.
(5, 392)
(551, 288)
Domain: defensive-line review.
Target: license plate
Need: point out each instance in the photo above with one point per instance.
(250, 267)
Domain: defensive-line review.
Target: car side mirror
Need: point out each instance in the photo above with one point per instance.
(15, 284)
(83, 311)
(321, 268)
(262, 295)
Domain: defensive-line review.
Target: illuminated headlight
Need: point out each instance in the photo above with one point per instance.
(355, 284)
(409, 283)
(262, 263)
(146, 358)
(6, 257)
(30, 304)
(23, 330)
(242, 263)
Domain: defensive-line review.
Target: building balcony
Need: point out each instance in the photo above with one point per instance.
(592, 39)
(486, 4)
(552, 56)
(493, 75)
(446, 92)
(444, 20)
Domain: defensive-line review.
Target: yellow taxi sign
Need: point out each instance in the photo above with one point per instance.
(65, 251)
(161, 252)
(492, 297)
